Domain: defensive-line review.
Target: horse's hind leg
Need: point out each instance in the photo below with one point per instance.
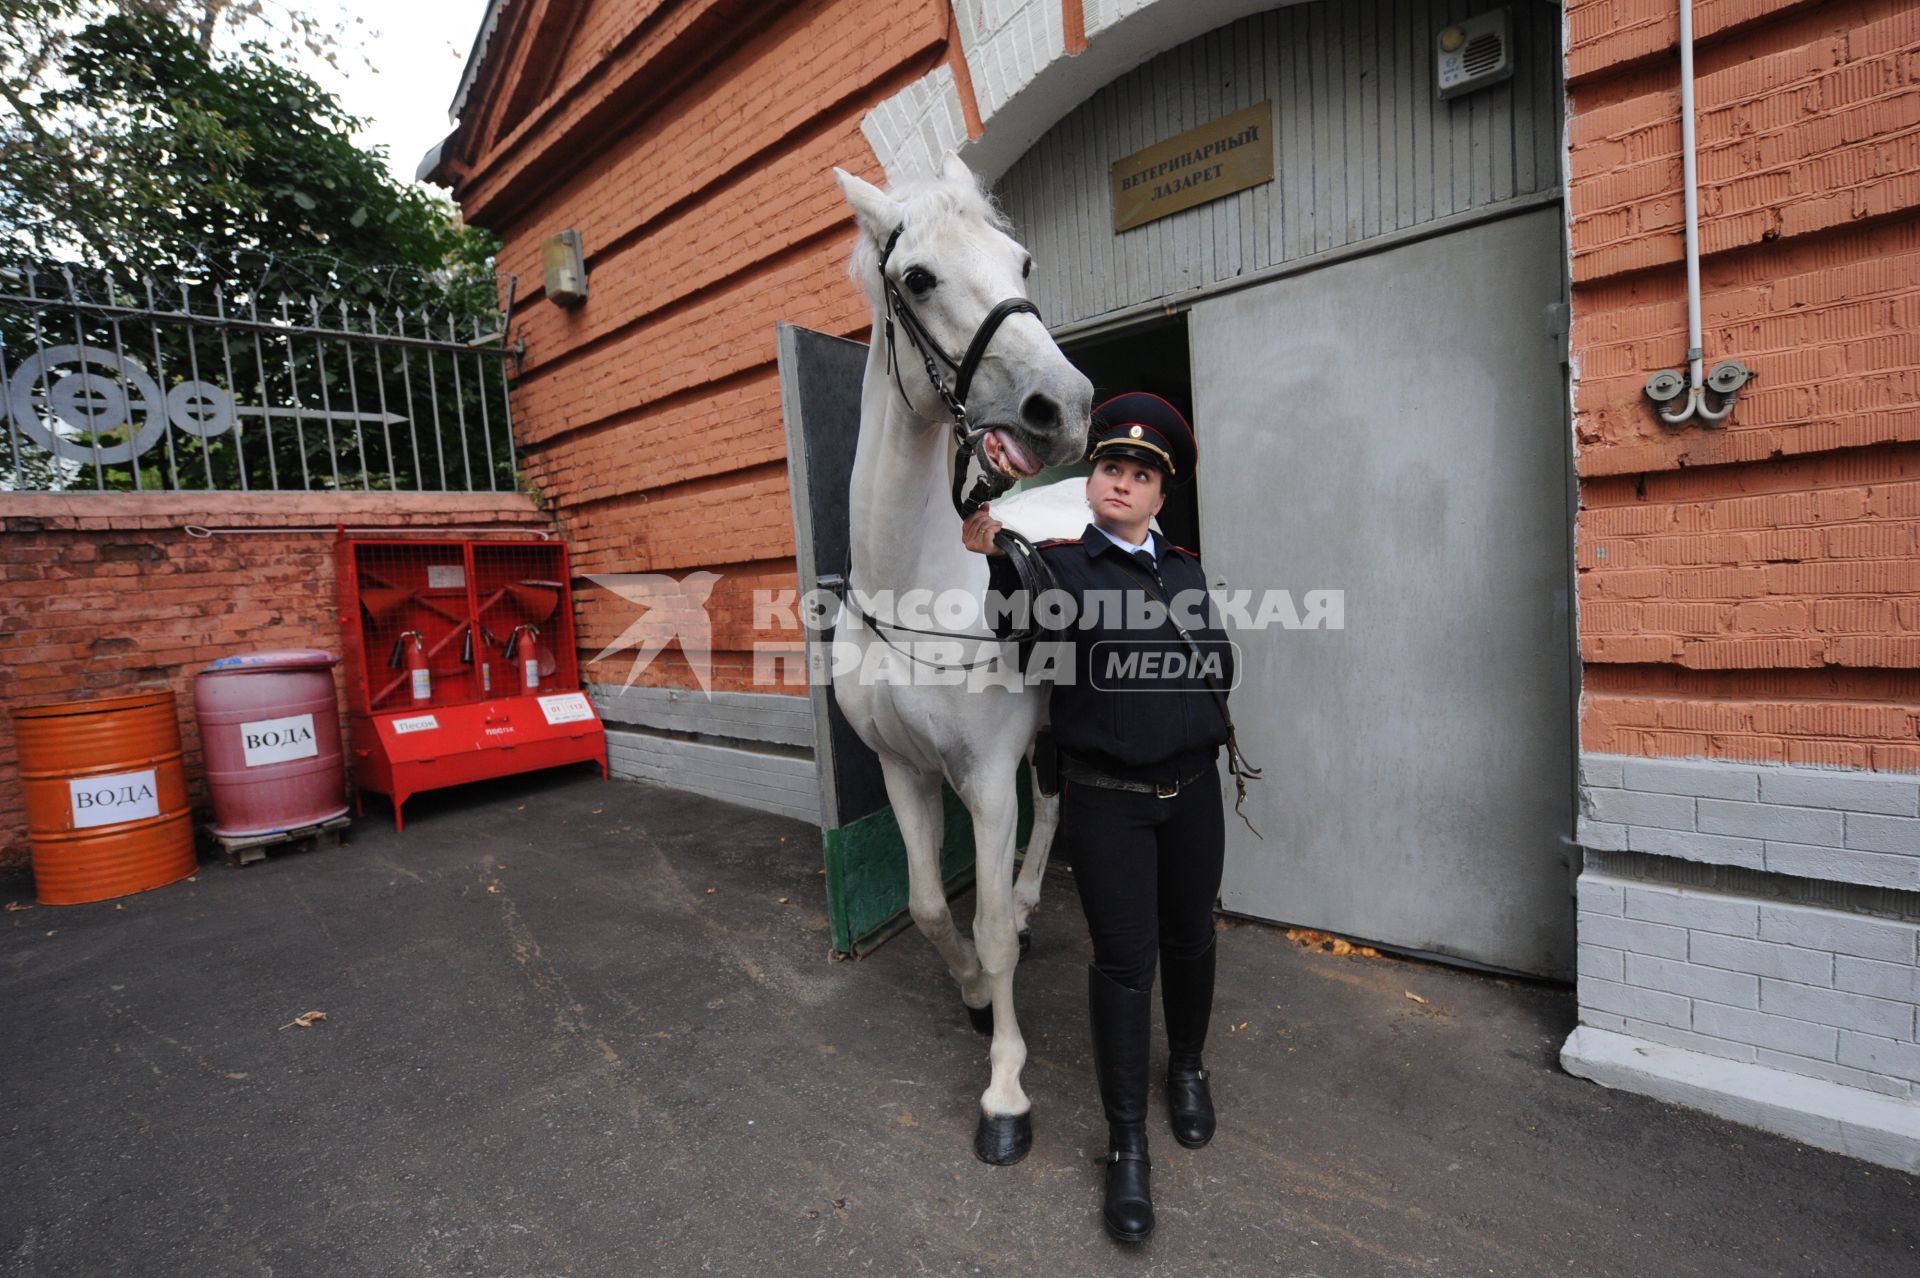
(918, 807)
(1006, 1130)
(1026, 888)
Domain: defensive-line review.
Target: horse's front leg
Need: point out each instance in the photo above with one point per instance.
(918, 806)
(1005, 1132)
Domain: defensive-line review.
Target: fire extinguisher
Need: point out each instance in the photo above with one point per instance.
(523, 658)
(415, 660)
(469, 651)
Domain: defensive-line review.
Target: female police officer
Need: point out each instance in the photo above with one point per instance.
(1139, 728)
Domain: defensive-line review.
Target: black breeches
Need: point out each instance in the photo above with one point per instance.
(1148, 870)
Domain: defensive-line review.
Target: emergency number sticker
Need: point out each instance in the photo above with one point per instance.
(568, 707)
(418, 723)
(129, 796)
(279, 740)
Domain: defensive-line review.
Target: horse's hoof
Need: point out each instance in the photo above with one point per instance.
(982, 1018)
(1003, 1139)
(1026, 943)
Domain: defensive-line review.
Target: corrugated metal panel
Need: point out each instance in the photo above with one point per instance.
(1363, 148)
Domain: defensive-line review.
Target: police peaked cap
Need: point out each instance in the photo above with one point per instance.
(1145, 428)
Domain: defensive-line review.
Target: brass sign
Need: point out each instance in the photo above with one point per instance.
(1228, 155)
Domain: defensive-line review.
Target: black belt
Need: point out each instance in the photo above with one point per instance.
(1074, 770)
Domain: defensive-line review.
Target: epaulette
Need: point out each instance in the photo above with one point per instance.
(1056, 541)
(1191, 554)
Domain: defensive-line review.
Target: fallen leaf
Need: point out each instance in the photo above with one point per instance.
(711, 891)
(306, 1020)
(598, 811)
(1416, 998)
(14, 906)
(1308, 939)
(494, 888)
(1244, 1024)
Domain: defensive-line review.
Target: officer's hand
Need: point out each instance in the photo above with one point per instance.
(980, 530)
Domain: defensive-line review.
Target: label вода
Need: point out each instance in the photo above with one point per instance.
(279, 740)
(128, 796)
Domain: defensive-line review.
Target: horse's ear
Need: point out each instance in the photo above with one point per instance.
(876, 212)
(954, 170)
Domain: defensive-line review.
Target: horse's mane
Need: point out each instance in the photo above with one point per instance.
(927, 201)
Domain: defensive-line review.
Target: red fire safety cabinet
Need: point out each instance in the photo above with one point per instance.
(460, 663)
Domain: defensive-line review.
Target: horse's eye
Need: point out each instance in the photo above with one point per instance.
(1026, 269)
(920, 280)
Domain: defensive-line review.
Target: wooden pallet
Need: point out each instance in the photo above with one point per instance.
(246, 849)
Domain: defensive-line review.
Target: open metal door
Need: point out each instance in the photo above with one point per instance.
(866, 861)
(1395, 427)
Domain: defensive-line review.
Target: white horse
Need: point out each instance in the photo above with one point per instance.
(958, 274)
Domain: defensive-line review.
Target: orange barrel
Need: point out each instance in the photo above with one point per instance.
(107, 807)
(270, 737)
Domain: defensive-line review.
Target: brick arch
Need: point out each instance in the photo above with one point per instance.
(1025, 64)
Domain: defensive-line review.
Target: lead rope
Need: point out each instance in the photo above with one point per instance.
(1237, 766)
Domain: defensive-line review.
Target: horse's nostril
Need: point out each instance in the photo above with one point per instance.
(1040, 412)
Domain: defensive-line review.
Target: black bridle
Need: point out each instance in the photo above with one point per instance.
(966, 438)
(1035, 577)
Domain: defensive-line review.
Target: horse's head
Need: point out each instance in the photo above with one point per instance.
(953, 263)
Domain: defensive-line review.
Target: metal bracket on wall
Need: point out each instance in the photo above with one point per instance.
(1725, 382)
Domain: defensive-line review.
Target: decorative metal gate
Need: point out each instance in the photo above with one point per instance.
(199, 386)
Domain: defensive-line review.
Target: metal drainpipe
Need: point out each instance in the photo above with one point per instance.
(1729, 376)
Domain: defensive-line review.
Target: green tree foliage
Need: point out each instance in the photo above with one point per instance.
(143, 153)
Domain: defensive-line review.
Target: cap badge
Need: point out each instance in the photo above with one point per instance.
(1135, 432)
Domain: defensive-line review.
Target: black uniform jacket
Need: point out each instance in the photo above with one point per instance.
(1138, 706)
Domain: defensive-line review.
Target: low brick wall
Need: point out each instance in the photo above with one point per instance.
(102, 594)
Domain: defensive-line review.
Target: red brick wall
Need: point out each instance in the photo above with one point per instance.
(649, 417)
(109, 594)
(1750, 592)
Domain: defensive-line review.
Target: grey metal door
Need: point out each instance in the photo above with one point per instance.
(1395, 427)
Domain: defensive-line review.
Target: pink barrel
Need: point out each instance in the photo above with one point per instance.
(270, 735)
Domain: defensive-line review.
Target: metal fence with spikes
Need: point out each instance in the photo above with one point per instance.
(112, 386)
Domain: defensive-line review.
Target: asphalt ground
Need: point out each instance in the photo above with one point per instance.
(586, 1027)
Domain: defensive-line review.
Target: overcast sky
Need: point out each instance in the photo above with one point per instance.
(416, 51)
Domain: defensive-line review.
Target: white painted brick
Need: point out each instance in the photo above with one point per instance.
(1632, 807)
(1812, 928)
(1716, 985)
(1702, 780)
(1837, 1008)
(1640, 1004)
(1715, 849)
(1846, 1076)
(1689, 1040)
(1600, 895)
(1761, 958)
(1883, 834)
(1770, 821)
(1602, 771)
(1630, 934)
(1843, 865)
(1700, 911)
(1601, 963)
(1880, 1055)
(1844, 791)
(1763, 1030)
(1603, 1020)
(1898, 981)
(1601, 835)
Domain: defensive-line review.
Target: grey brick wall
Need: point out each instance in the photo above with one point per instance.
(1806, 990)
(1817, 823)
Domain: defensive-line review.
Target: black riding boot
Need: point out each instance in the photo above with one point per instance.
(1122, 1027)
(1186, 995)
